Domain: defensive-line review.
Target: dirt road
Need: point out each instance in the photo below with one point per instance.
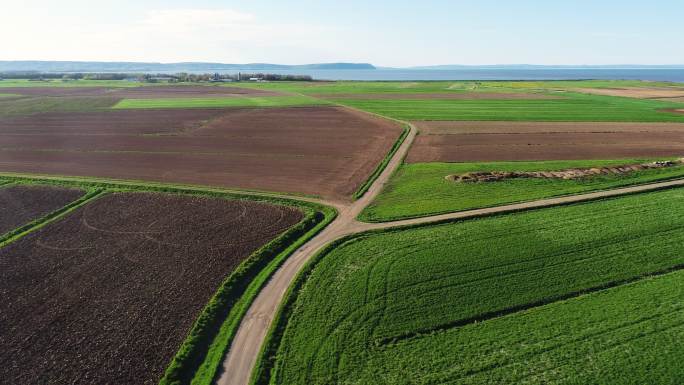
(244, 350)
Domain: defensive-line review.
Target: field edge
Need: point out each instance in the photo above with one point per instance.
(202, 349)
(363, 216)
(361, 191)
(265, 368)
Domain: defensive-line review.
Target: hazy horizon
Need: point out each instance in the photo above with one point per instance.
(386, 34)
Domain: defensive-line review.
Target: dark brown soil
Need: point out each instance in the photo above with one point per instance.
(503, 141)
(107, 295)
(326, 151)
(145, 92)
(49, 126)
(445, 95)
(22, 204)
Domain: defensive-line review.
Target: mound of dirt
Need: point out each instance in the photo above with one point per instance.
(574, 173)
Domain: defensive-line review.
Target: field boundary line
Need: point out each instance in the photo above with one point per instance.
(381, 166)
(265, 366)
(20, 232)
(200, 355)
(522, 206)
(163, 187)
(390, 341)
(265, 369)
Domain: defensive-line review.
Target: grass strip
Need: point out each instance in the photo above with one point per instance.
(381, 167)
(420, 189)
(265, 365)
(209, 369)
(36, 224)
(266, 101)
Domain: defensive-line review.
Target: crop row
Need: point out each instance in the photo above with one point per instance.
(380, 290)
(573, 108)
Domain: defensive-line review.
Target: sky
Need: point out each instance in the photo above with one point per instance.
(393, 33)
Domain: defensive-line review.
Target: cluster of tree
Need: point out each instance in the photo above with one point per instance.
(153, 78)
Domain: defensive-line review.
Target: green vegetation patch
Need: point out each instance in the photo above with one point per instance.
(446, 303)
(420, 189)
(267, 101)
(413, 87)
(573, 107)
(37, 105)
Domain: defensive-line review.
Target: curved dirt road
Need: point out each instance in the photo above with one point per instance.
(246, 345)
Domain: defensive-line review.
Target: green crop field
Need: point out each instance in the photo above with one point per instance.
(420, 189)
(493, 300)
(574, 107)
(351, 87)
(268, 101)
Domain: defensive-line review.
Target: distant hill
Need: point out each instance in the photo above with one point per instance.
(536, 67)
(87, 66)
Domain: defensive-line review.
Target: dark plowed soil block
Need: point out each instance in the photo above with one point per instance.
(326, 151)
(107, 294)
(503, 141)
(20, 205)
(50, 127)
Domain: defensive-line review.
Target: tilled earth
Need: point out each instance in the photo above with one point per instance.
(324, 151)
(503, 141)
(20, 204)
(107, 294)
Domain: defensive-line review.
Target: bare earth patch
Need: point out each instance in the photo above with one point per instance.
(441, 96)
(326, 151)
(636, 92)
(502, 141)
(22, 204)
(107, 294)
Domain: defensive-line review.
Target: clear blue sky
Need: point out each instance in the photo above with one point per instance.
(386, 33)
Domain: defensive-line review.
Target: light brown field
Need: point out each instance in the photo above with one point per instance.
(637, 92)
(323, 151)
(511, 141)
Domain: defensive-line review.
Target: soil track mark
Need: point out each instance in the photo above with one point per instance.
(89, 306)
(21, 204)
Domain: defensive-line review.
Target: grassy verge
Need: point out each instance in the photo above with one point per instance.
(381, 167)
(365, 297)
(209, 369)
(11, 236)
(265, 364)
(266, 101)
(201, 354)
(419, 189)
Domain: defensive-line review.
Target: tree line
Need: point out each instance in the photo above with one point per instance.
(153, 78)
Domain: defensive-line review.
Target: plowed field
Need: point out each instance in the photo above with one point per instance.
(22, 204)
(107, 294)
(502, 141)
(324, 151)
